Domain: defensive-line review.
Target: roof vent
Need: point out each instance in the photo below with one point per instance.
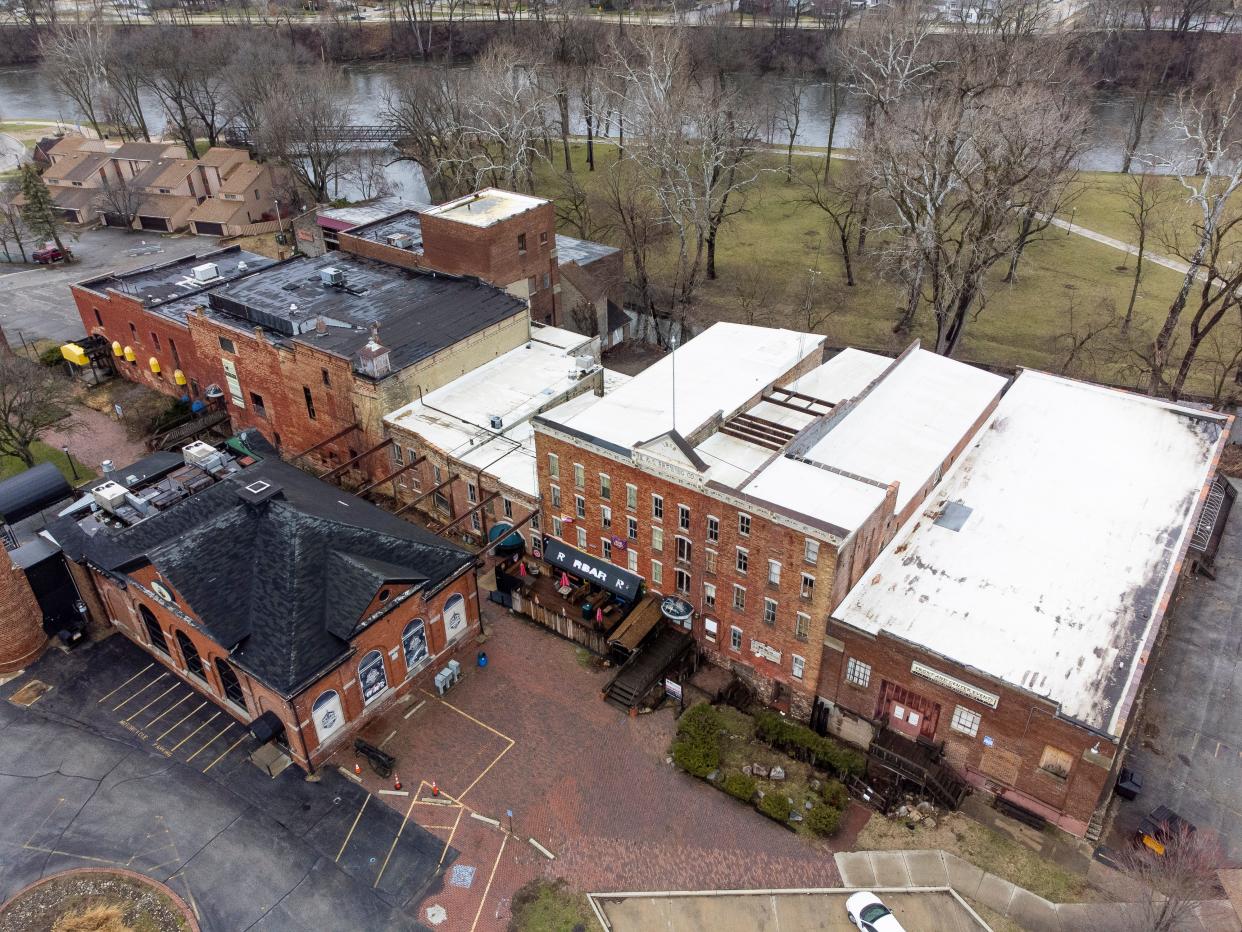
(241, 266)
(258, 492)
(954, 516)
(496, 421)
(206, 272)
(332, 278)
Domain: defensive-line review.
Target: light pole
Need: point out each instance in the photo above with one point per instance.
(72, 465)
(1070, 229)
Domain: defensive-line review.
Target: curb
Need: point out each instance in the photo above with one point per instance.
(187, 913)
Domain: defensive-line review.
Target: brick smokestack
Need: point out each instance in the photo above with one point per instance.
(21, 620)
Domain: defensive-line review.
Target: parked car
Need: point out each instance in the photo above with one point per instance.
(49, 253)
(869, 913)
(1162, 828)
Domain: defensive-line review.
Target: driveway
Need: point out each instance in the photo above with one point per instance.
(121, 764)
(1190, 747)
(35, 302)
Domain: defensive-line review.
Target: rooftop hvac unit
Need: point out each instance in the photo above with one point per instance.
(109, 496)
(401, 240)
(199, 453)
(206, 272)
(584, 362)
(496, 421)
(332, 278)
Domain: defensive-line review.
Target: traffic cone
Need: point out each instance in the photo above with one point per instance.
(435, 790)
(396, 782)
(357, 769)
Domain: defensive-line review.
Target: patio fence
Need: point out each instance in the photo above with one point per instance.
(563, 625)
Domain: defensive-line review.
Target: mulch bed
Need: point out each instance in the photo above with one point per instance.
(148, 906)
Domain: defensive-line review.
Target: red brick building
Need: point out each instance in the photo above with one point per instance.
(1012, 620)
(275, 595)
(756, 482)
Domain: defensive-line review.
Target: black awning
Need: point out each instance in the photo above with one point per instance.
(595, 569)
(31, 491)
(267, 727)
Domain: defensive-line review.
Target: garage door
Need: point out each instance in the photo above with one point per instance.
(208, 229)
(153, 223)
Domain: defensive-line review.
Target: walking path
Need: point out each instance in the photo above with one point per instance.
(907, 869)
(1175, 264)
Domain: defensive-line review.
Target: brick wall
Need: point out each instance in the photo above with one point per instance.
(384, 635)
(21, 620)
(1020, 727)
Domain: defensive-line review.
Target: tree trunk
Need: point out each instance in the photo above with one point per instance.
(1160, 347)
(589, 118)
(906, 322)
(845, 256)
(1138, 277)
(833, 110)
(1024, 233)
(562, 101)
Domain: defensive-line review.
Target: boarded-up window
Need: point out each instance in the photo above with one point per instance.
(1056, 762)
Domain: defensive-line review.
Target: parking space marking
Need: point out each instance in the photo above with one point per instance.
(190, 695)
(350, 833)
(221, 757)
(393, 846)
(194, 732)
(499, 734)
(104, 699)
(490, 878)
(149, 704)
(449, 841)
(117, 708)
(219, 734)
(178, 723)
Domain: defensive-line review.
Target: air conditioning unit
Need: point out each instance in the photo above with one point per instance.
(332, 278)
(400, 240)
(207, 272)
(584, 362)
(199, 454)
(109, 495)
(496, 421)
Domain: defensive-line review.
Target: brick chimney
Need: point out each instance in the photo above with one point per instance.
(21, 620)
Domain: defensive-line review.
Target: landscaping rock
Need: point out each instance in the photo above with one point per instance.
(759, 794)
(759, 770)
(816, 785)
(929, 822)
(668, 760)
(713, 776)
(808, 805)
(925, 808)
(796, 817)
(902, 812)
(748, 770)
(777, 773)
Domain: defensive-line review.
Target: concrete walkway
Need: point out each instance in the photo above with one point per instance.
(903, 869)
(1154, 258)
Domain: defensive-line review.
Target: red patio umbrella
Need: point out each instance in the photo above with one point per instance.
(564, 580)
(521, 568)
(599, 614)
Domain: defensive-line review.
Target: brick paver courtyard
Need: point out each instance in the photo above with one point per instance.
(530, 733)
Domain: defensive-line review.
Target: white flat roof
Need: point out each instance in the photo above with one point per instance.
(717, 370)
(843, 376)
(1080, 499)
(909, 423)
(485, 207)
(801, 487)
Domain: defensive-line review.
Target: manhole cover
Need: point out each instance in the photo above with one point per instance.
(436, 915)
(30, 693)
(462, 876)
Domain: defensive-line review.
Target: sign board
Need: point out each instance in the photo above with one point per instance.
(619, 543)
(991, 700)
(597, 570)
(759, 649)
(676, 609)
(672, 689)
(987, 741)
(305, 236)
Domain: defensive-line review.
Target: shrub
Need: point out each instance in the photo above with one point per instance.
(696, 750)
(776, 806)
(51, 357)
(802, 743)
(823, 820)
(739, 786)
(834, 794)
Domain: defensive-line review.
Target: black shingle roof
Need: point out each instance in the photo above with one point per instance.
(282, 584)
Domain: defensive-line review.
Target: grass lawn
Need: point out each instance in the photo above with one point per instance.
(981, 846)
(772, 244)
(11, 465)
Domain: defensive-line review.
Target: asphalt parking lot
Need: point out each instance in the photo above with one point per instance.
(119, 764)
(1189, 752)
(35, 302)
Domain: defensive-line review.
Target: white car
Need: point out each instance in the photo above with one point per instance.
(867, 912)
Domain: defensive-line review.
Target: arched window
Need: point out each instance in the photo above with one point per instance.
(454, 618)
(414, 643)
(154, 632)
(228, 681)
(189, 653)
(327, 714)
(372, 676)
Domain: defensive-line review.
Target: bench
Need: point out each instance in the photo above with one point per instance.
(1023, 815)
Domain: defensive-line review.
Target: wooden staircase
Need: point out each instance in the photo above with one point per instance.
(907, 761)
(646, 666)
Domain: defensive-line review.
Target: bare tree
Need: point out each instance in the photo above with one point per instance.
(793, 82)
(365, 171)
(1145, 196)
(75, 58)
(1208, 126)
(1166, 889)
(428, 111)
(13, 232)
(840, 196)
(119, 201)
(33, 400)
(305, 128)
(126, 80)
(1085, 338)
(755, 291)
(504, 114)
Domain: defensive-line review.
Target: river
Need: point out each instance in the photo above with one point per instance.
(25, 94)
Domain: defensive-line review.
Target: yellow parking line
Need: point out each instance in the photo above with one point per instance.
(151, 703)
(490, 878)
(179, 721)
(449, 840)
(126, 683)
(221, 757)
(117, 708)
(469, 716)
(487, 768)
(190, 695)
(218, 734)
(357, 818)
(393, 846)
(194, 732)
